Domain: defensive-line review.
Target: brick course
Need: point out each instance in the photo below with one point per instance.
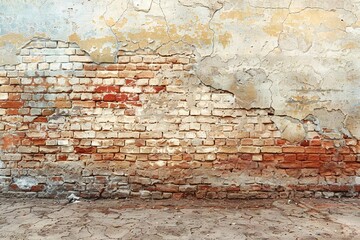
(146, 127)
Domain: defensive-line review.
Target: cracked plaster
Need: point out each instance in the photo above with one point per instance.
(290, 55)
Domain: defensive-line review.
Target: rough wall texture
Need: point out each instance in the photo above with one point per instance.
(172, 98)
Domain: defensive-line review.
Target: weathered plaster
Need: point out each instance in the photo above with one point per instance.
(293, 56)
(291, 129)
(25, 183)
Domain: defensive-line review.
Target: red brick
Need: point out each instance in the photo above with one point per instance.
(247, 141)
(130, 82)
(314, 150)
(14, 96)
(129, 112)
(143, 67)
(107, 89)
(305, 143)
(11, 104)
(302, 157)
(47, 112)
(246, 157)
(62, 157)
(290, 165)
(293, 149)
(345, 150)
(57, 179)
(41, 119)
(325, 157)
(133, 97)
(268, 157)
(122, 97)
(154, 89)
(100, 179)
(110, 97)
(315, 142)
(327, 144)
(90, 67)
(12, 111)
(39, 142)
(280, 142)
(85, 150)
(313, 157)
(312, 164)
(37, 188)
(290, 157)
(14, 187)
(115, 67)
(10, 140)
(339, 188)
(349, 158)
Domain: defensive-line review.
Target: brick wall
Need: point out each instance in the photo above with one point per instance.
(147, 127)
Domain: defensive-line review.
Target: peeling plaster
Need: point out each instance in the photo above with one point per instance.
(352, 123)
(291, 129)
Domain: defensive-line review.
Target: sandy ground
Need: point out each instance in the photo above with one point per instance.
(182, 219)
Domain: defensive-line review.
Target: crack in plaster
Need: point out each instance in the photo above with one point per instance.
(112, 26)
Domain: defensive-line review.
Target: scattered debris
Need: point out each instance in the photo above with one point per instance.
(72, 198)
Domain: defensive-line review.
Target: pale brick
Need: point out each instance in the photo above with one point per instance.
(55, 66)
(249, 149)
(52, 44)
(57, 59)
(28, 149)
(106, 74)
(257, 158)
(10, 157)
(177, 67)
(136, 59)
(202, 149)
(70, 51)
(4, 96)
(131, 89)
(128, 135)
(85, 134)
(67, 66)
(123, 59)
(63, 142)
(271, 149)
(80, 59)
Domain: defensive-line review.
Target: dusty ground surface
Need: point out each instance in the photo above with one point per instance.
(184, 219)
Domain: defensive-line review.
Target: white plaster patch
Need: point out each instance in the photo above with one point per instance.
(25, 182)
(142, 5)
(357, 180)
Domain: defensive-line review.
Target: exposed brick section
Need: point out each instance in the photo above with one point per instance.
(145, 127)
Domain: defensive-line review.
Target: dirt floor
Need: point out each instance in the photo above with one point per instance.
(183, 219)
